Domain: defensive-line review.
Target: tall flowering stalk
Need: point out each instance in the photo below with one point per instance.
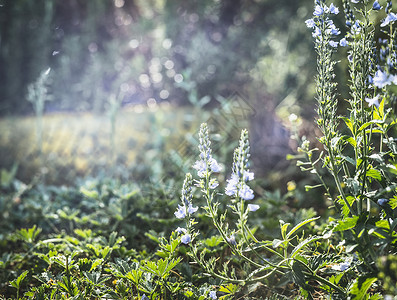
(356, 157)
(261, 259)
(325, 34)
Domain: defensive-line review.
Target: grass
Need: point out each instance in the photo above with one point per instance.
(80, 144)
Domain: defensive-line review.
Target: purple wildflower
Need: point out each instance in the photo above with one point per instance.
(376, 5)
(253, 207)
(310, 23)
(382, 201)
(186, 238)
(343, 42)
(245, 192)
(333, 44)
(318, 10)
(382, 79)
(212, 295)
(180, 212)
(390, 18)
(373, 101)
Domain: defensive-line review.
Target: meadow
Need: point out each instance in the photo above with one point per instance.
(204, 199)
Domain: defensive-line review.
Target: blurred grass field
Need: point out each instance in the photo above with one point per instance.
(80, 144)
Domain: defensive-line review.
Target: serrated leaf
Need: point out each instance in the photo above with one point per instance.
(346, 224)
(360, 287)
(229, 289)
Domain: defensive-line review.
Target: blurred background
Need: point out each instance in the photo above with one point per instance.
(120, 87)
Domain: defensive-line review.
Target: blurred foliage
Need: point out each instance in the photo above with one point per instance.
(145, 49)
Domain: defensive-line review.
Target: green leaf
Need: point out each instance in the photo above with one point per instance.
(16, 283)
(299, 225)
(347, 223)
(393, 202)
(360, 287)
(348, 159)
(96, 263)
(349, 124)
(373, 173)
(302, 244)
(229, 289)
(213, 241)
(283, 228)
(89, 194)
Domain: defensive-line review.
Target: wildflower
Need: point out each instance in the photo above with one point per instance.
(333, 9)
(248, 176)
(215, 167)
(191, 210)
(342, 266)
(350, 58)
(144, 297)
(343, 42)
(212, 295)
(310, 23)
(381, 79)
(236, 185)
(370, 79)
(333, 30)
(246, 193)
(231, 188)
(382, 201)
(318, 11)
(186, 198)
(180, 212)
(206, 163)
(201, 168)
(333, 44)
(213, 183)
(253, 207)
(186, 238)
(376, 5)
(355, 1)
(231, 240)
(356, 28)
(317, 32)
(390, 18)
(180, 230)
(373, 101)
